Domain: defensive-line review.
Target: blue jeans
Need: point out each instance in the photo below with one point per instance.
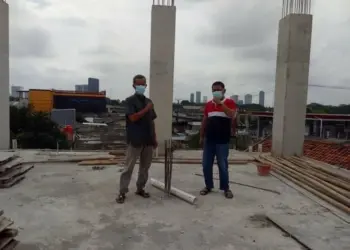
(221, 152)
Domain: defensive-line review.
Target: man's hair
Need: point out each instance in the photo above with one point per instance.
(218, 83)
(138, 77)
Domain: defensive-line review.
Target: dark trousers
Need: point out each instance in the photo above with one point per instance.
(220, 151)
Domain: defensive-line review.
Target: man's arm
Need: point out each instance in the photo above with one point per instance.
(203, 126)
(131, 113)
(230, 108)
(204, 123)
(153, 117)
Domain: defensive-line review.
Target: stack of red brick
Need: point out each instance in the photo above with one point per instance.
(329, 152)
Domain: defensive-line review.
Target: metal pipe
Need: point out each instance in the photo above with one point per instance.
(176, 192)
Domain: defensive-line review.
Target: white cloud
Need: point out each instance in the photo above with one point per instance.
(57, 44)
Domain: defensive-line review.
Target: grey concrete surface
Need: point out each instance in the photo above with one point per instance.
(65, 206)
(292, 77)
(4, 76)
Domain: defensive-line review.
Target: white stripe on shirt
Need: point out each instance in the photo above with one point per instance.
(218, 114)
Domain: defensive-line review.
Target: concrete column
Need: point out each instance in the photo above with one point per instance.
(292, 74)
(4, 77)
(162, 57)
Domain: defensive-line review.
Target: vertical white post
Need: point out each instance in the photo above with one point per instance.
(162, 56)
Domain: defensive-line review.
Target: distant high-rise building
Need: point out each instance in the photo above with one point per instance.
(192, 97)
(240, 102)
(248, 99)
(82, 88)
(262, 98)
(198, 97)
(15, 91)
(93, 85)
(235, 98)
(205, 99)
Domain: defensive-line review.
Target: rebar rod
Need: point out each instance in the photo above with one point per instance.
(170, 166)
(164, 2)
(165, 166)
(296, 7)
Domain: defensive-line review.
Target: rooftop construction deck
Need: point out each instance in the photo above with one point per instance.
(68, 206)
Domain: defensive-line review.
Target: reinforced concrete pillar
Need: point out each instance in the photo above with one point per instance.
(162, 57)
(4, 77)
(291, 87)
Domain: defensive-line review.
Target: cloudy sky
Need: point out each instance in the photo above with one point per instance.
(60, 43)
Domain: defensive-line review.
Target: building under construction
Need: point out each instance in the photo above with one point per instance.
(44, 100)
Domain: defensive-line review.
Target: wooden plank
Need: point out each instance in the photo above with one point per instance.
(5, 223)
(10, 164)
(7, 236)
(12, 245)
(19, 170)
(5, 157)
(12, 182)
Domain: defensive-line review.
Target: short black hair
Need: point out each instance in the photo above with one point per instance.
(218, 83)
(138, 77)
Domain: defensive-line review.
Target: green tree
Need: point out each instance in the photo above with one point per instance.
(35, 129)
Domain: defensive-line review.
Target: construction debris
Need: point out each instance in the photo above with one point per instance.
(331, 152)
(247, 185)
(318, 180)
(7, 235)
(176, 192)
(12, 170)
(98, 167)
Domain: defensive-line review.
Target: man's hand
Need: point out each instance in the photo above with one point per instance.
(149, 106)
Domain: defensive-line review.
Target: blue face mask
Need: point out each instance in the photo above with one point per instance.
(217, 94)
(140, 89)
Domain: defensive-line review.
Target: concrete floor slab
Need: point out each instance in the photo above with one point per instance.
(65, 206)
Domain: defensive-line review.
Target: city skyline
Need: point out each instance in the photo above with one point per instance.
(246, 99)
(115, 56)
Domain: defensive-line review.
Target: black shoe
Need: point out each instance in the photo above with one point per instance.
(205, 191)
(228, 194)
(120, 199)
(142, 193)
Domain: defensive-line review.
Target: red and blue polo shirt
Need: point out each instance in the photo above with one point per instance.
(219, 125)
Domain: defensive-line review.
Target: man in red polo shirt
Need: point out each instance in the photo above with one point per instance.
(215, 136)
